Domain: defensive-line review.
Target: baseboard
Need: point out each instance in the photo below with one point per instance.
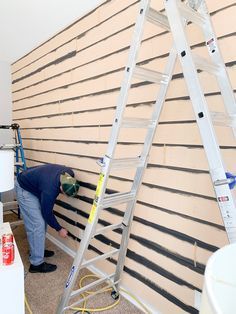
(96, 271)
(60, 245)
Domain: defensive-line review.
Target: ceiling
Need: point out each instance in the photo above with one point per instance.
(27, 23)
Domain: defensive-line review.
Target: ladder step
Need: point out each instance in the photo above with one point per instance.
(137, 123)
(205, 65)
(158, 19)
(16, 223)
(220, 118)
(124, 163)
(117, 198)
(7, 146)
(10, 204)
(191, 15)
(86, 298)
(100, 257)
(91, 285)
(108, 228)
(19, 163)
(150, 75)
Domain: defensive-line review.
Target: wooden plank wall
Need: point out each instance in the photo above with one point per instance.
(64, 95)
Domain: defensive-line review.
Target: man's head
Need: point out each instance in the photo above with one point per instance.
(69, 185)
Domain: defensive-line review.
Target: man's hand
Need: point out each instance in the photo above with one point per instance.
(63, 233)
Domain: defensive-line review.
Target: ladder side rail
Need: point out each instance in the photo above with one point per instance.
(21, 149)
(129, 213)
(129, 71)
(17, 152)
(215, 54)
(203, 119)
(76, 267)
(87, 236)
(158, 106)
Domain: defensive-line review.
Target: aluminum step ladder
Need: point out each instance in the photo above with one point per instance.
(108, 163)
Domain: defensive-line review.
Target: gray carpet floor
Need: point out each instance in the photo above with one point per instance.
(43, 291)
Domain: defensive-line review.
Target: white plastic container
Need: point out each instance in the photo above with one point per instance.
(6, 170)
(219, 291)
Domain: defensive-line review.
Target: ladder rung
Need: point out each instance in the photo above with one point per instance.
(16, 223)
(20, 163)
(223, 182)
(7, 146)
(190, 14)
(108, 228)
(98, 258)
(205, 65)
(117, 198)
(91, 285)
(124, 163)
(85, 298)
(158, 18)
(150, 75)
(9, 204)
(137, 123)
(220, 118)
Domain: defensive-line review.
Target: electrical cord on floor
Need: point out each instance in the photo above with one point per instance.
(26, 302)
(27, 306)
(84, 310)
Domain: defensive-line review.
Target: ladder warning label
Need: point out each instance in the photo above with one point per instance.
(92, 213)
(97, 194)
(211, 45)
(100, 182)
(223, 198)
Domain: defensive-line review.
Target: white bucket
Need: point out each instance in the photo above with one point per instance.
(219, 291)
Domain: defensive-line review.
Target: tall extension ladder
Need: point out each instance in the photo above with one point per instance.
(178, 14)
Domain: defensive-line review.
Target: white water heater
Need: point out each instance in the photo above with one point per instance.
(6, 170)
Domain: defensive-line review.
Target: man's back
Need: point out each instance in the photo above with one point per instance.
(43, 179)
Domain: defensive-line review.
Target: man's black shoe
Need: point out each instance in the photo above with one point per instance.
(48, 253)
(42, 268)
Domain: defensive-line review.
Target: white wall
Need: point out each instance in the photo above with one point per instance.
(5, 111)
(5, 101)
(26, 23)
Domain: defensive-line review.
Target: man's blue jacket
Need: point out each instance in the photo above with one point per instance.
(44, 182)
